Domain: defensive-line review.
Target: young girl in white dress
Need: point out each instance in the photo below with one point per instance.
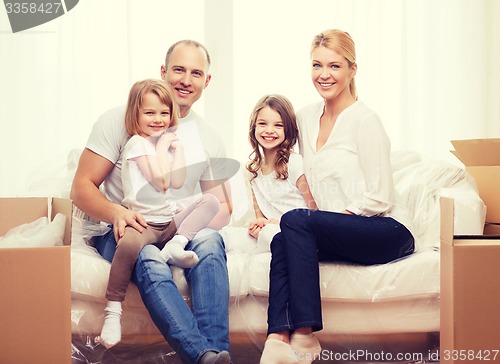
(276, 173)
(152, 163)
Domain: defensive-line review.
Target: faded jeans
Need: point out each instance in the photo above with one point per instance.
(190, 332)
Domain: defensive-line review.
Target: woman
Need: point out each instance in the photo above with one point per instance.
(346, 156)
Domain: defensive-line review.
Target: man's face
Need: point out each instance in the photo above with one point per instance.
(187, 73)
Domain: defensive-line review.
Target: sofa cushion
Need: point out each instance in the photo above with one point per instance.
(411, 277)
(420, 186)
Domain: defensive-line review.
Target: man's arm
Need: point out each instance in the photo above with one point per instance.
(221, 190)
(91, 172)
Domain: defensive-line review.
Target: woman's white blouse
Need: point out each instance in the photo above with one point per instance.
(352, 170)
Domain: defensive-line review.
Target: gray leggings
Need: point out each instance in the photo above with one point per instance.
(188, 222)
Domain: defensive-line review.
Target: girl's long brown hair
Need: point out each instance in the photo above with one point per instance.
(284, 107)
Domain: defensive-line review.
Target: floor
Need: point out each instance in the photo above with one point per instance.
(410, 349)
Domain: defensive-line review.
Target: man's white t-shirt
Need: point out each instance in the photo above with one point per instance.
(204, 150)
(277, 196)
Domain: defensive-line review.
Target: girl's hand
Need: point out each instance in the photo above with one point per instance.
(256, 226)
(166, 140)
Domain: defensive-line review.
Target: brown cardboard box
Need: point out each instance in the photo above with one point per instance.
(492, 229)
(35, 288)
(481, 158)
(470, 294)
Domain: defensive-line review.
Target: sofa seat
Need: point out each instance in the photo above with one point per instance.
(359, 302)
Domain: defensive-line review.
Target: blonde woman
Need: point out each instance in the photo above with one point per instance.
(346, 155)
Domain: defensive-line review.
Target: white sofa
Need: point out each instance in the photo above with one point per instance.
(378, 310)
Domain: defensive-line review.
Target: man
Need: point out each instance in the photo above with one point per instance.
(199, 334)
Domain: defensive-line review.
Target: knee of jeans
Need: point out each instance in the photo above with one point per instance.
(151, 265)
(149, 253)
(292, 218)
(277, 242)
(210, 244)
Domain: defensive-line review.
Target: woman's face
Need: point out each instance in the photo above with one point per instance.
(330, 73)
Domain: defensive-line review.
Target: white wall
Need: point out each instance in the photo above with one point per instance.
(57, 78)
(429, 68)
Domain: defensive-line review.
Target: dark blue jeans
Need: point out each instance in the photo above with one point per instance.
(306, 237)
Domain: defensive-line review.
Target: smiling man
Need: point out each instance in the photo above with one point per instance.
(199, 334)
(183, 71)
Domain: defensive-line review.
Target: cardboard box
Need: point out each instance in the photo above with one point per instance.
(492, 229)
(35, 288)
(481, 158)
(470, 294)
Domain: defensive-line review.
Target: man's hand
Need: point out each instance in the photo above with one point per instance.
(125, 217)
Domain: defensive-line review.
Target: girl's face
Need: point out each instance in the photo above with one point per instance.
(154, 116)
(269, 129)
(331, 73)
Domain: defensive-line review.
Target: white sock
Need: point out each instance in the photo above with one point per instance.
(111, 333)
(306, 346)
(174, 253)
(277, 352)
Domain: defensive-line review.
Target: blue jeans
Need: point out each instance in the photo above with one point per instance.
(308, 236)
(190, 332)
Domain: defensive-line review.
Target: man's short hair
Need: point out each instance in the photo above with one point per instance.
(186, 42)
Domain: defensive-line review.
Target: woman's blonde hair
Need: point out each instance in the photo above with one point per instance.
(284, 107)
(342, 43)
(157, 87)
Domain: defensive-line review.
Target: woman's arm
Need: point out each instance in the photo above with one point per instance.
(375, 162)
(305, 191)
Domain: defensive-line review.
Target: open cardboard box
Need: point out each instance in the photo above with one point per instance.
(470, 294)
(481, 158)
(35, 288)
